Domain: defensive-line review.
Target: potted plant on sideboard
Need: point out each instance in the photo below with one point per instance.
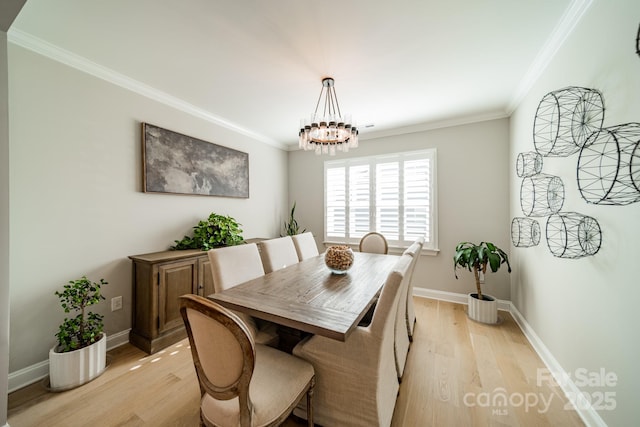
(80, 353)
(213, 232)
(481, 307)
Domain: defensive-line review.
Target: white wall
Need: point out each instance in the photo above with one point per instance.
(473, 177)
(76, 201)
(584, 310)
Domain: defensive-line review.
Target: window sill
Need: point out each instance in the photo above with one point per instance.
(393, 250)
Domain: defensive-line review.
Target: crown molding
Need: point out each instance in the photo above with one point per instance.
(563, 29)
(78, 62)
(426, 126)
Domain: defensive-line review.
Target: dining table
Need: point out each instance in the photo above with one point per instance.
(307, 296)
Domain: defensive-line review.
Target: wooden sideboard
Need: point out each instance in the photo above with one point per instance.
(158, 280)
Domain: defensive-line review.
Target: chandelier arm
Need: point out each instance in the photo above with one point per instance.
(327, 102)
(337, 103)
(315, 113)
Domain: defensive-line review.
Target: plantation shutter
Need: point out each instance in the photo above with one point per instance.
(391, 194)
(336, 202)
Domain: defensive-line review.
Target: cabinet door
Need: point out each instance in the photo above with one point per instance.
(174, 280)
(205, 277)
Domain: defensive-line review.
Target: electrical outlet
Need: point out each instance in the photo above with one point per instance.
(481, 274)
(116, 303)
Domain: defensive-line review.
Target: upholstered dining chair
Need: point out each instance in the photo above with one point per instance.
(356, 380)
(374, 243)
(414, 251)
(277, 253)
(305, 245)
(241, 383)
(232, 265)
(401, 325)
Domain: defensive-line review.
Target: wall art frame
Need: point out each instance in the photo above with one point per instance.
(179, 164)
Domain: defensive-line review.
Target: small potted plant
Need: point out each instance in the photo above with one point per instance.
(482, 308)
(291, 227)
(80, 353)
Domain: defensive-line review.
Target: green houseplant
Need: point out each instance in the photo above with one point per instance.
(215, 231)
(80, 352)
(476, 258)
(291, 227)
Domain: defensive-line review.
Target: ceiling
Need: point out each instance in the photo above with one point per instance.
(256, 66)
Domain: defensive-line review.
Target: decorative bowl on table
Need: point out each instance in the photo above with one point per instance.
(339, 259)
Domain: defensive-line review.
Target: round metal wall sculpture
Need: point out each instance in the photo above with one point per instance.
(573, 235)
(541, 195)
(609, 166)
(525, 232)
(528, 164)
(565, 118)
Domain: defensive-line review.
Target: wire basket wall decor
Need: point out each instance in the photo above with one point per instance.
(565, 118)
(638, 41)
(525, 232)
(573, 235)
(528, 164)
(609, 166)
(541, 195)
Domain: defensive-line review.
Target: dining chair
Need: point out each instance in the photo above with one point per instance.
(232, 265)
(356, 380)
(414, 251)
(278, 253)
(305, 245)
(401, 336)
(374, 242)
(241, 383)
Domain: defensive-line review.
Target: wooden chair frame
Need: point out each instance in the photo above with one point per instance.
(374, 233)
(239, 388)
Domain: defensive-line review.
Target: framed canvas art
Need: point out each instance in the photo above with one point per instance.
(180, 164)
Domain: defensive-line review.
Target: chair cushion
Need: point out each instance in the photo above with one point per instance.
(278, 381)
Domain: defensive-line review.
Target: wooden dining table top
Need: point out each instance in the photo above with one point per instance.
(306, 296)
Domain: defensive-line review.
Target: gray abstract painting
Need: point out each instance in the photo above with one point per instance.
(180, 164)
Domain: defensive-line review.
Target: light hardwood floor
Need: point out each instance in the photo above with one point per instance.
(456, 374)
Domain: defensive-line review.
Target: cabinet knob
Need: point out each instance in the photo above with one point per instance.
(200, 287)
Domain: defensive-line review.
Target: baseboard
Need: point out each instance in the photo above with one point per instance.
(40, 371)
(588, 415)
(503, 305)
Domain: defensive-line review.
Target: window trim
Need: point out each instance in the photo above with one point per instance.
(430, 247)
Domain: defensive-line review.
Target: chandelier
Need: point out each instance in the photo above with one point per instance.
(330, 131)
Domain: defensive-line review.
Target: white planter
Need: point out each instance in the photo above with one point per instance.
(484, 311)
(74, 368)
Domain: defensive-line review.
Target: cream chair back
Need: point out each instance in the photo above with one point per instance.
(402, 341)
(233, 265)
(374, 243)
(357, 380)
(305, 245)
(414, 251)
(277, 253)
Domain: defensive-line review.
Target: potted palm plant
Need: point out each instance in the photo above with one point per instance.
(80, 353)
(481, 307)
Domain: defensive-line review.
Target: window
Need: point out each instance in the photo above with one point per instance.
(393, 194)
